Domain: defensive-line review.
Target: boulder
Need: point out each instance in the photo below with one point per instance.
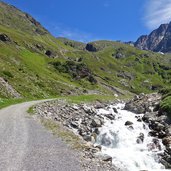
(4, 38)
(96, 122)
(87, 137)
(110, 116)
(128, 123)
(106, 158)
(119, 55)
(74, 124)
(48, 53)
(115, 110)
(135, 108)
(153, 133)
(167, 141)
(90, 47)
(140, 138)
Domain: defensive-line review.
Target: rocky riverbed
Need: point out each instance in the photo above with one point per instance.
(84, 121)
(157, 121)
(87, 120)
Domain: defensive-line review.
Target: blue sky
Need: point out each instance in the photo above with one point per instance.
(88, 20)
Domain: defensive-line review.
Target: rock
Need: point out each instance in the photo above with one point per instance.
(135, 108)
(75, 107)
(128, 123)
(153, 133)
(167, 141)
(8, 89)
(96, 122)
(82, 132)
(87, 137)
(50, 53)
(90, 47)
(4, 38)
(149, 116)
(119, 55)
(74, 124)
(157, 143)
(106, 158)
(99, 105)
(96, 130)
(162, 134)
(98, 147)
(110, 116)
(140, 138)
(139, 120)
(159, 126)
(130, 127)
(143, 103)
(136, 97)
(105, 140)
(115, 110)
(165, 163)
(40, 47)
(154, 125)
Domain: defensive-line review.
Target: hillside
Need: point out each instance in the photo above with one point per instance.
(34, 64)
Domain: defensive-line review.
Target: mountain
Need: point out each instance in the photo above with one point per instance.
(35, 64)
(158, 40)
(72, 43)
(152, 41)
(12, 17)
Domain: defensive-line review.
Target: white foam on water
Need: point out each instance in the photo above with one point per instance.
(120, 142)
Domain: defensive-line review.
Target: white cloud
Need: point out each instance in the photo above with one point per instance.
(73, 34)
(157, 12)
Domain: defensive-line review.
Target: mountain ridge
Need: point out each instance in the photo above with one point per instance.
(41, 66)
(159, 40)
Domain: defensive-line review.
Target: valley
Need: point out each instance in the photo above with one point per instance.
(96, 98)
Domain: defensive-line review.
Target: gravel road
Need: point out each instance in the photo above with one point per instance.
(25, 145)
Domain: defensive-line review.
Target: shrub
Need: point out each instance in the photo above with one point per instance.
(8, 74)
(165, 106)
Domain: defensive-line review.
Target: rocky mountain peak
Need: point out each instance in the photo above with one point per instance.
(152, 41)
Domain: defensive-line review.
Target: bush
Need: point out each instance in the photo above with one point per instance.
(165, 106)
(165, 92)
(76, 70)
(8, 74)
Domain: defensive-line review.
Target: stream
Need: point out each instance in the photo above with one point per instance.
(126, 140)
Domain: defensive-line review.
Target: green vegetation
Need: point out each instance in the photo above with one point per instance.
(66, 135)
(37, 65)
(165, 105)
(8, 102)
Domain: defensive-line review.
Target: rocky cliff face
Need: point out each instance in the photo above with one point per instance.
(155, 40)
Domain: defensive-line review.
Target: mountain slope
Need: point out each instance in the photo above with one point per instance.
(37, 65)
(158, 40)
(12, 17)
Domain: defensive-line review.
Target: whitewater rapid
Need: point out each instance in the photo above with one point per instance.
(130, 147)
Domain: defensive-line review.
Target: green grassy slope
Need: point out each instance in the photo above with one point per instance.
(28, 60)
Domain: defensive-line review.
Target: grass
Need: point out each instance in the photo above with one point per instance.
(165, 106)
(65, 134)
(31, 111)
(7, 102)
(28, 69)
(93, 98)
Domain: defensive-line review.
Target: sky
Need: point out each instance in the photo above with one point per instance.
(89, 20)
